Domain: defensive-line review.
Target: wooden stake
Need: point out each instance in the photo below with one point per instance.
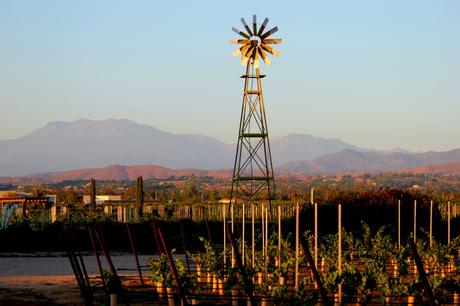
(415, 221)
(316, 235)
(263, 230)
(448, 222)
(279, 235)
(297, 245)
(311, 196)
(224, 217)
(431, 223)
(339, 247)
(266, 229)
(399, 224)
(253, 235)
(243, 244)
(233, 230)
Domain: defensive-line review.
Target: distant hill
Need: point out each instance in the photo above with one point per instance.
(351, 160)
(447, 169)
(294, 147)
(60, 146)
(115, 173)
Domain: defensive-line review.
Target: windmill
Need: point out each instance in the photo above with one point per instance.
(253, 177)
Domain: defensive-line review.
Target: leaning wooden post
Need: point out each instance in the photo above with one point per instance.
(314, 270)
(311, 195)
(173, 268)
(448, 222)
(399, 224)
(421, 272)
(248, 285)
(134, 251)
(316, 234)
(339, 247)
(431, 223)
(297, 246)
(415, 220)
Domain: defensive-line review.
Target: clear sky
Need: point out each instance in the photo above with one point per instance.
(378, 74)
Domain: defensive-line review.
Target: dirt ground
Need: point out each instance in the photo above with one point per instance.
(47, 279)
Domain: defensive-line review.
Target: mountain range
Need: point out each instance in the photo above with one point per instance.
(83, 143)
(351, 160)
(90, 145)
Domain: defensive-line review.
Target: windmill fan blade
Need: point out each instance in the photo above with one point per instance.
(269, 32)
(244, 60)
(264, 57)
(271, 50)
(248, 53)
(236, 52)
(246, 26)
(274, 41)
(262, 27)
(254, 23)
(239, 41)
(237, 31)
(244, 49)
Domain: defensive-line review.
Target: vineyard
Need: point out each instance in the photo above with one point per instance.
(367, 247)
(278, 260)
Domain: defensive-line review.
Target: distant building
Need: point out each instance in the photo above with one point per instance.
(20, 195)
(22, 202)
(100, 199)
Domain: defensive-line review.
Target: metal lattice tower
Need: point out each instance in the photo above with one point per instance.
(253, 177)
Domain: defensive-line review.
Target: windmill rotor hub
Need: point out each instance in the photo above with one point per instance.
(255, 41)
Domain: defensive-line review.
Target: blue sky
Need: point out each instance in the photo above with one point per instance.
(378, 74)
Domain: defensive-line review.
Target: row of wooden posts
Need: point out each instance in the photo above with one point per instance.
(264, 229)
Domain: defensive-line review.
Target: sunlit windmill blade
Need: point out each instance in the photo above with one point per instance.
(246, 26)
(269, 32)
(239, 41)
(254, 23)
(244, 60)
(262, 27)
(271, 50)
(236, 52)
(273, 41)
(244, 49)
(264, 56)
(248, 52)
(238, 31)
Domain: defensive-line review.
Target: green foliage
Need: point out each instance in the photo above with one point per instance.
(160, 271)
(112, 282)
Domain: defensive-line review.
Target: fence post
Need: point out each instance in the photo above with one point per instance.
(339, 261)
(431, 223)
(448, 222)
(415, 220)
